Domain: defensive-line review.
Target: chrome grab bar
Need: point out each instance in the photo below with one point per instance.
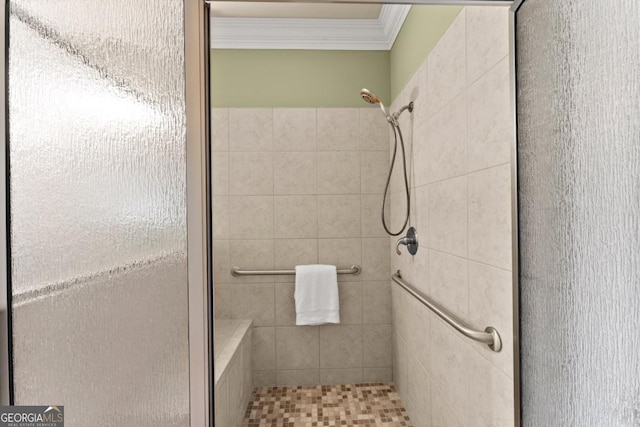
(489, 336)
(236, 271)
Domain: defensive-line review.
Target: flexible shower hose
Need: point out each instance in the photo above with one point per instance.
(397, 132)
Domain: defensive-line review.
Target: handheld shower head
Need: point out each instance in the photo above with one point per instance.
(371, 98)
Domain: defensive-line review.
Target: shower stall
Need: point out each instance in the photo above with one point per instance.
(144, 212)
(308, 180)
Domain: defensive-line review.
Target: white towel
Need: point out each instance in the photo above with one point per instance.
(316, 295)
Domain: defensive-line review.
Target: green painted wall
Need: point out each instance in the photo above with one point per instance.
(326, 78)
(297, 78)
(421, 31)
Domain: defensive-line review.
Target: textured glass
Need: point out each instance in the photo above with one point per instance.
(579, 197)
(98, 209)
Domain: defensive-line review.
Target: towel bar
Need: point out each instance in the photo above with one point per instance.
(236, 271)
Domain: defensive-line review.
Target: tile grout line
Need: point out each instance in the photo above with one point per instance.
(466, 113)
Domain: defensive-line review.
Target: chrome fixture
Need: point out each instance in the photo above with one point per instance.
(236, 271)
(410, 241)
(489, 336)
(372, 98)
(392, 119)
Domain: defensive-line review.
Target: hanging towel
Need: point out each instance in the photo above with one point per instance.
(316, 295)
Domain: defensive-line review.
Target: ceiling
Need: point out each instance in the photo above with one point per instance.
(231, 9)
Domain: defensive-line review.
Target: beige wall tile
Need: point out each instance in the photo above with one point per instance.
(374, 167)
(285, 304)
(341, 346)
(419, 96)
(491, 128)
(264, 348)
(375, 258)
(220, 173)
(487, 38)
(251, 217)
(415, 269)
(236, 400)
(419, 392)
(339, 172)
(246, 348)
(341, 253)
(219, 129)
(294, 129)
(250, 129)
(449, 364)
(421, 219)
(254, 301)
(223, 300)
(338, 216)
(377, 375)
(376, 302)
(296, 217)
(377, 346)
(338, 129)
(400, 364)
(448, 282)
(350, 303)
(250, 174)
(446, 68)
(457, 128)
(420, 341)
(221, 262)
(448, 216)
(374, 130)
(443, 413)
(490, 216)
(490, 304)
(251, 255)
(341, 376)
(298, 377)
(397, 175)
(371, 211)
(295, 173)
(490, 394)
(399, 311)
(220, 217)
(223, 416)
(264, 378)
(397, 212)
(447, 141)
(421, 157)
(297, 347)
(292, 252)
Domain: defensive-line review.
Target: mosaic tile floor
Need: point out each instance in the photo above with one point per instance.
(338, 405)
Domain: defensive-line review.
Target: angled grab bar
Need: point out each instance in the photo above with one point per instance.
(489, 336)
(236, 271)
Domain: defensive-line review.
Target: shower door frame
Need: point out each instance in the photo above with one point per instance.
(515, 4)
(199, 277)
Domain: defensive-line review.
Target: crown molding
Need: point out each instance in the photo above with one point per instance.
(314, 34)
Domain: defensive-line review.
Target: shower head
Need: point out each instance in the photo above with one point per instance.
(371, 98)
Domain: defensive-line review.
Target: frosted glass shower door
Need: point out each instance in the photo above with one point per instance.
(98, 209)
(579, 196)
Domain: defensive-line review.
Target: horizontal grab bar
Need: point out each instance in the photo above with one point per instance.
(236, 271)
(489, 336)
